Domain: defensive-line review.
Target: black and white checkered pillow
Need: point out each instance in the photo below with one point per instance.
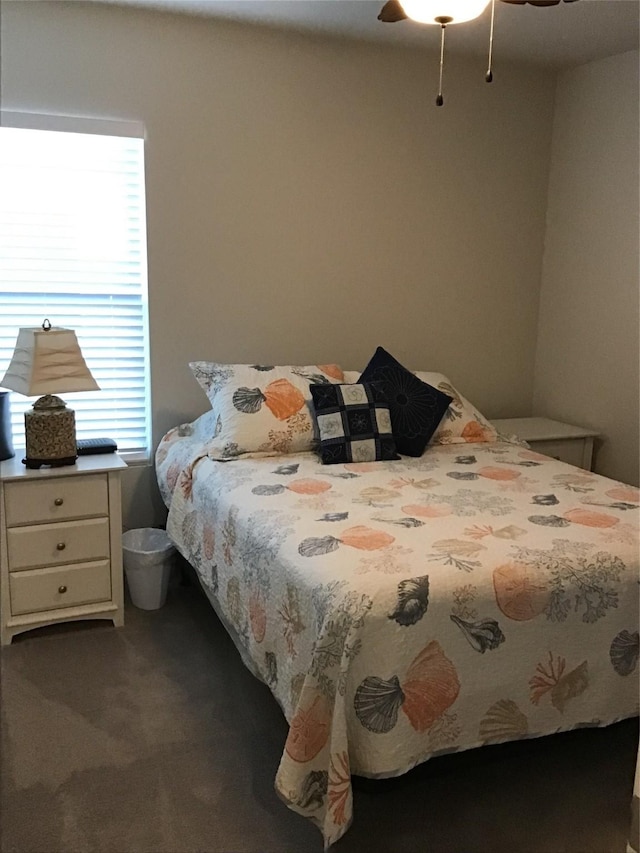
(354, 423)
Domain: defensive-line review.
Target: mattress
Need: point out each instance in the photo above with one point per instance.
(479, 594)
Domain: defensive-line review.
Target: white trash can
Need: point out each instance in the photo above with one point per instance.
(147, 554)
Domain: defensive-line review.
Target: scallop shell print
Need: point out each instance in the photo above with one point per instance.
(624, 652)
(430, 688)
(360, 537)
(413, 600)
(248, 400)
(503, 721)
(377, 703)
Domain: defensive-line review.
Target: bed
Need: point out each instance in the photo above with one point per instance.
(402, 609)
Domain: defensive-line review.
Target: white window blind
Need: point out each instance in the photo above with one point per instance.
(73, 250)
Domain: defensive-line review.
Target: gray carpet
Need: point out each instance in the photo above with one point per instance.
(154, 737)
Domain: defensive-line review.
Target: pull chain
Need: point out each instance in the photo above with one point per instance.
(443, 20)
(489, 75)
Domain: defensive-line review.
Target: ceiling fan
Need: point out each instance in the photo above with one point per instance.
(445, 12)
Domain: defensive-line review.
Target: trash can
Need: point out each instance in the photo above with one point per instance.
(147, 554)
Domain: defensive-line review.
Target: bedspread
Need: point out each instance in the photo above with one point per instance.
(398, 610)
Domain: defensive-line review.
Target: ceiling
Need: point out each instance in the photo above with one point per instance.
(557, 36)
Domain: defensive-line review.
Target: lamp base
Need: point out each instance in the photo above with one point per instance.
(52, 463)
(50, 432)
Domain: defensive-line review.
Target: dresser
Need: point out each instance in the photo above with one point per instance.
(566, 442)
(60, 543)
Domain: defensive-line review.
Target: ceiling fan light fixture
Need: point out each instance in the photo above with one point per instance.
(434, 11)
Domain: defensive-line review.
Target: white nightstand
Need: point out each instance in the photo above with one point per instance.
(568, 443)
(61, 543)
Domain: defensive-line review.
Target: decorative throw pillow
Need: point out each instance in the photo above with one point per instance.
(416, 407)
(262, 410)
(354, 423)
(462, 421)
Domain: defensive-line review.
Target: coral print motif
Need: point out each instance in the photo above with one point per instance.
(457, 552)
(464, 502)
(339, 788)
(576, 579)
(553, 680)
(291, 618)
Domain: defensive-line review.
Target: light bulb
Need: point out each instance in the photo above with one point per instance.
(444, 11)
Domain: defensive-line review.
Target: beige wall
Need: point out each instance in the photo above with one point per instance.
(587, 364)
(306, 199)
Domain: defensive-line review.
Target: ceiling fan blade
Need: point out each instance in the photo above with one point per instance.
(537, 2)
(391, 12)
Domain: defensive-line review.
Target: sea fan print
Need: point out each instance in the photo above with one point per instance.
(430, 688)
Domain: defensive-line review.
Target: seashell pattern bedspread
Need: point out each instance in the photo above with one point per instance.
(398, 610)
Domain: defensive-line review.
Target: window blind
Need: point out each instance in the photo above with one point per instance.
(73, 250)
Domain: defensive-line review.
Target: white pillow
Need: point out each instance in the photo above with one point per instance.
(261, 410)
(462, 421)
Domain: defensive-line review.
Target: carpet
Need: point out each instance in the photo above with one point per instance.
(154, 737)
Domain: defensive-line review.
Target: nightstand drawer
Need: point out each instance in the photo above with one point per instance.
(57, 499)
(55, 544)
(62, 586)
(567, 450)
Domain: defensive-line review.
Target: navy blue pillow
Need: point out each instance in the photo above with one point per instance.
(354, 423)
(416, 408)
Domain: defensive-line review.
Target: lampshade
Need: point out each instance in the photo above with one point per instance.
(48, 360)
(451, 11)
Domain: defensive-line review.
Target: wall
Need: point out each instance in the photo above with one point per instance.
(587, 364)
(306, 199)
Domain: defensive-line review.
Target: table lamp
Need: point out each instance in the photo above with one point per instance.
(47, 360)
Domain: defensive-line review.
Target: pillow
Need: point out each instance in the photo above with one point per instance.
(462, 421)
(261, 410)
(416, 407)
(354, 423)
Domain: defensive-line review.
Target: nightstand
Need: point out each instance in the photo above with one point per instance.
(568, 443)
(60, 543)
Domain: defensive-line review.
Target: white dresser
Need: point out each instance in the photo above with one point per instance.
(61, 543)
(566, 442)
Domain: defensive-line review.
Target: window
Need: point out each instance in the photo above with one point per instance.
(73, 250)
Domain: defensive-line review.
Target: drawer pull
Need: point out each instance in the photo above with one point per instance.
(62, 589)
(58, 501)
(60, 546)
